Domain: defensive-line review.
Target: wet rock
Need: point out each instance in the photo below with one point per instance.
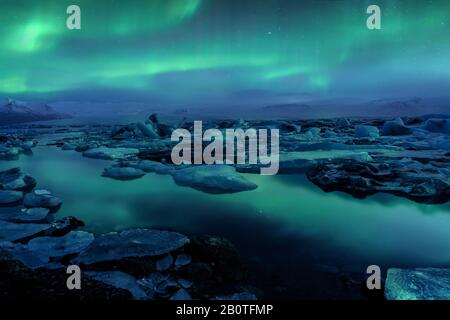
(418, 284)
(58, 247)
(42, 199)
(131, 243)
(10, 198)
(19, 231)
(364, 131)
(181, 295)
(110, 153)
(396, 128)
(120, 280)
(215, 179)
(14, 179)
(164, 263)
(217, 256)
(123, 173)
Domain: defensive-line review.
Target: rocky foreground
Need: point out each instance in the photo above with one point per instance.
(141, 264)
(408, 157)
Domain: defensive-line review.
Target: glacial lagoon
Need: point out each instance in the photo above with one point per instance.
(291, 234)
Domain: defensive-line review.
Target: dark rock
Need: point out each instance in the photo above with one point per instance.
(221, 253)
(63, 226)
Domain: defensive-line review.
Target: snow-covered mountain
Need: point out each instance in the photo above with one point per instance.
(15, 111)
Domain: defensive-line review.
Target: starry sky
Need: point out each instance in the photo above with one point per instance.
(202, 50)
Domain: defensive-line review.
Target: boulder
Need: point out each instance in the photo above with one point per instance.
(131, 243)
(63, 226)
(418, 284)
(215, 179)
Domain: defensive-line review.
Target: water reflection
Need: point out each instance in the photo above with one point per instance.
(284, 229)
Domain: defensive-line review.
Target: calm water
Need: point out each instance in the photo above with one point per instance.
(285, 230)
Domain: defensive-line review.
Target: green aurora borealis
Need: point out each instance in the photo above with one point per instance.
(183, 49)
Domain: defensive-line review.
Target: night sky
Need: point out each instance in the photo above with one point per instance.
(186, 50)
